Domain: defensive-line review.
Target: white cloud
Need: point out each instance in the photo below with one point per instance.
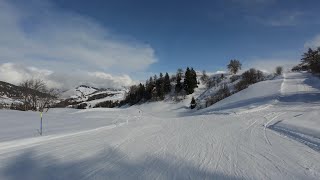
(116, 81)
(313, 43)
(41, 34)
(16, 73)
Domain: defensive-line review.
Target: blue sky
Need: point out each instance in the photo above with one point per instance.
(128, 40)
(206, 34)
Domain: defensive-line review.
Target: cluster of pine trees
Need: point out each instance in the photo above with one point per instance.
(190, 81)
(310, 61)
(156, 88)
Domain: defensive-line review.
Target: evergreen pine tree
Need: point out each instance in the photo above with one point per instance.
(194, 82)
(155, 78)
(190, 81)
(178, 86)
(161, 76)
(180, 72)
(160, 87)
(167, 84)
(149, 88)
(187, 81)
(312, 60)
(132, 95)
(141, 92)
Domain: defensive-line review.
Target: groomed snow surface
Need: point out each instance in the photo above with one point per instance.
(263, 132)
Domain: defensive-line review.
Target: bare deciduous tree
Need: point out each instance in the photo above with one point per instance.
(36, 95)
(204, 78)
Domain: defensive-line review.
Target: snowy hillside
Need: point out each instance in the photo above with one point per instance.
(256, 95)
(6, 101)
(79, 92)
(91, 95)
(267, 131)
(202, 93)
(9, 94)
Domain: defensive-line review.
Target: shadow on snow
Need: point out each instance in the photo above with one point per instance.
(109, 164)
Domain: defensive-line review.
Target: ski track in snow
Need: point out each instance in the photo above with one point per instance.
(140, 144)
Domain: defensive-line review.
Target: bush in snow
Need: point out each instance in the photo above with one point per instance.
(249, 77)
(241, 85)
(214, 81)
(204, 78)
(19, 107)
(234, 78)
(222, 93)
(279, 70)
(107, 104)
(3, 106)
(99, 96)
(81, 106)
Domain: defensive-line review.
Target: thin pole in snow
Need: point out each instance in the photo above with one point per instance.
(41, 124)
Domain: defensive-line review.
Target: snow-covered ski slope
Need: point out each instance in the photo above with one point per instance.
(233, 139)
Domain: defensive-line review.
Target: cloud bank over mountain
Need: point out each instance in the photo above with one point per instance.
(40, 36)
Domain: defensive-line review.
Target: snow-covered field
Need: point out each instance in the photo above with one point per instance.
(246, 136)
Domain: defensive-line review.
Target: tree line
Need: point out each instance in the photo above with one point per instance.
(184, 83)
(157, 87)
(310, 61)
